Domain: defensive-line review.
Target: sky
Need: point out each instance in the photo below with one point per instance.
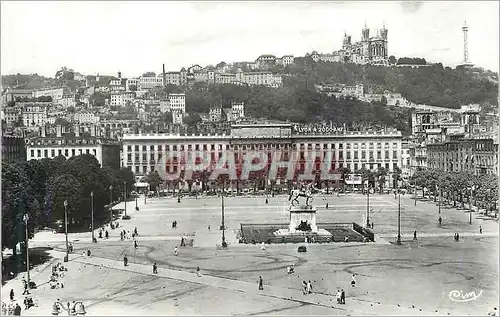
(135, 37)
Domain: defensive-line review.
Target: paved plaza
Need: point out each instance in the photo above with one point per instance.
(415, 278)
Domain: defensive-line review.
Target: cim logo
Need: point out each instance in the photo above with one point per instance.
(460, 296)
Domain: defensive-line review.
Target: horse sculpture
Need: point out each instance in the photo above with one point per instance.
(304, 192)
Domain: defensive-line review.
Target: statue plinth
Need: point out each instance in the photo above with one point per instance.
(299, 214)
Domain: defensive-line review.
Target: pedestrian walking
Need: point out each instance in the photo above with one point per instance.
(208, 227)
(326, 207)
(175, 251)
(415, 235)
(17, 310)
(135, 231)
(198, 271)
(261, 283)
(135, 244)
(304, 287)
(480, 230)
(458, 237)
(155, 268)
(107, 234)
(372, 224)
(309, 287)
(25, 285)
(182, 242)
(88, 253)
(121, 236)
(342, 297)
(440, 220)
(339, 297)
(125, 261)
(353, 281)
(100, 233)
(267, 201)
(11, 294)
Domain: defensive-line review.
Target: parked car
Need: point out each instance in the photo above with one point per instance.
(302, 249)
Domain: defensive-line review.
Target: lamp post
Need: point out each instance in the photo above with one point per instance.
(470, 205)
(92, 206)
(125, 196)
(367, 204)
(110, 204)
(223, 226)
(415, 194)
(145, 194)
(66, 229)
(399, 217)
(26, 218)
(438, 191)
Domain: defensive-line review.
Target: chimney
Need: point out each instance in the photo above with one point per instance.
(119, 75)
(164, 83)
(43, 132)
(77, 131)
(59, 131)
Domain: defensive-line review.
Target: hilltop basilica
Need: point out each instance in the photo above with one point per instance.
(370, 50)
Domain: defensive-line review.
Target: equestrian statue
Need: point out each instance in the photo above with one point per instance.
(305, 191)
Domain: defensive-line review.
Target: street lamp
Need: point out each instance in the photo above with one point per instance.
(92, 206)
(66, 229)
(110, 205)
(438, 191)
(470, 204)
(125, 196)
(224, 244)
(399, 217)
(26, 218)
(367, 204)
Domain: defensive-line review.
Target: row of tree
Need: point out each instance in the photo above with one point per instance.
(455, 187)
(40, 187)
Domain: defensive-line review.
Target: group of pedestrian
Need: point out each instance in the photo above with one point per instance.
(11, 310)
(308, 239)
(307, 287)
(290, 269)
(106, 234)
(341, 296)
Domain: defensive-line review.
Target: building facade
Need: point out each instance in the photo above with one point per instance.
(107, 152)
(354, 150)
(13, 149)
(476, 156)
(120, 99)
(177, 102)
(86, 117)
(56, 93)
(34, 114)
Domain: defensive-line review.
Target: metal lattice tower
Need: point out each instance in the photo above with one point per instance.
(465, 29)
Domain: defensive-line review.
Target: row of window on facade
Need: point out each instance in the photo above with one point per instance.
(355, 155)
(197, 147)
(60, 152)
(352, 167)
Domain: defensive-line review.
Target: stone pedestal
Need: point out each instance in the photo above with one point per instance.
(300, 214)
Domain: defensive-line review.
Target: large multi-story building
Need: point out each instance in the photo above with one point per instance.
(121, 98)
(34, 114)
(13, 148)
(238, 108)
(56, 93)
(106, 151)
(150, 82)
(259, 78)
(354, 150)
(12, 94)
(477, 156)
(177, 102)
(86, 117)
(11, 115)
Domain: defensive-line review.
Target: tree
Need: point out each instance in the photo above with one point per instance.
(192, 119)
(381, 174)
(60, 188)
(154, 180)
(17, 200)
(392, 60)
